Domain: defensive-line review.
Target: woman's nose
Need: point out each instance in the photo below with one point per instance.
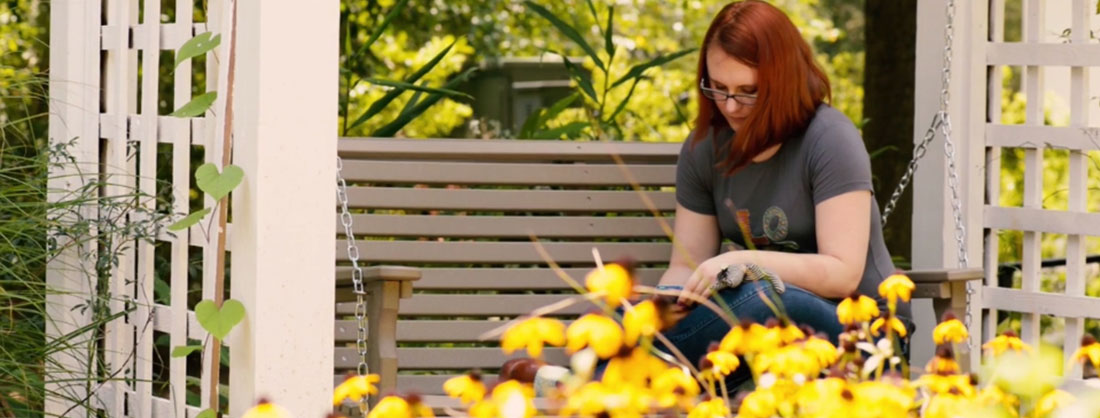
(732, 105)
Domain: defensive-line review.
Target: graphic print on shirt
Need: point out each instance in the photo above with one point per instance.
(774, 230)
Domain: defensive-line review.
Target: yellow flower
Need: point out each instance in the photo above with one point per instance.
(468, 388)
(596, 331)
(641, 320)
(943, 362)
(890, 323)
(532, 333)
(1090, 350)
(856, 309)
(789, 333)
(881, 399)
(714, 408)
(787, 361)
(761, 403)
(946, 383)
(512, 399)
(947, 405)
(1005, 342)
(613, 282)
(722, 363)
(819, 395)
(418, 408)
(484, 408)
(950, 330)
(822, 350)
(637, 369)
(674, 386)
(391, 407)
(355, 388)
(994, 395)
(749, 337)
(265, 409)
(1052, 401)
(586, 401)
(895, 287)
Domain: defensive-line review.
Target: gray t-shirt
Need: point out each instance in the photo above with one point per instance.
(777, 197)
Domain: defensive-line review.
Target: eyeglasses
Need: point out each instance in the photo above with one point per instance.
(721, 96)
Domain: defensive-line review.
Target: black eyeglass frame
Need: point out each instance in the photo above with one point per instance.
(720, 96)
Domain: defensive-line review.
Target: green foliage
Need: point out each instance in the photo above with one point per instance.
(219, 321)
(199, 45)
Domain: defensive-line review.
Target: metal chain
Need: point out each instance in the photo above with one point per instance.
(942, 122)
(356, 276)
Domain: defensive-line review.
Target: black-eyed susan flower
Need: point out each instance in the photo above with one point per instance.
(1052, 401)
(484, 408)
(789, 332)
(819, 347)
(613, 282)
(714, 408)
(884, 400)
(787, 362)
(604, 335)
(994, 395)
(1004, 342)
(817, 397)
(891, 323)
(635, 367)
(675, 387)
(1089, 351)
(946, 383)
(722, 363)
(761, 403)
(641, 320)
(588, 400)
(856, 309)
(948, 405)
(514, 399)
(943, 362)
(533, 334)
(266, 409)
(467, 388)
(391, 407)
(896, 287)
(417, 406)
(355, 387)
(951, 329)
(749, 337)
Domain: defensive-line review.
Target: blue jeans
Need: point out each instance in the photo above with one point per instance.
(695, 332)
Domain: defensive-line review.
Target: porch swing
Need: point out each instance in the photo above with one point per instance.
(389, 162)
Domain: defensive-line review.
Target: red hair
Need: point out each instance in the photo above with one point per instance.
(790, 85)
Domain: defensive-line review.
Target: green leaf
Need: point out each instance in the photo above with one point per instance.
(218, 322)
(185, 350)
(530, 124)
(566, 30)
(582, 77)
(162, 290)
(200, 44)
(622, 104)
(408, 86)
(608, 43)
(189, 220)
(638, 70)
(207, 413)
(389, 97)
(592, 8)
(215, 184)
(404, 118)
(400, 5)
(412, 101)
(569, 130)
(196, 106)
(558, 107)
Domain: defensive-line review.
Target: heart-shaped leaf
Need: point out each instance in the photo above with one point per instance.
(185, 350)
(200, 44)
(189, 220)
(218, 322)
(215, 184)
(206, 413)
(196, 106)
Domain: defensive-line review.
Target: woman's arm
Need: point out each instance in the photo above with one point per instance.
(696, 240)
(843, 232)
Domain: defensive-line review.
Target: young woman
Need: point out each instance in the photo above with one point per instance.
(774, 169)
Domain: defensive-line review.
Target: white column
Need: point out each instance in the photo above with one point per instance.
(283, 257)
(934, 244)
(74, 116)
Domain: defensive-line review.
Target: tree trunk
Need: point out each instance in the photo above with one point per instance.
(891, 36)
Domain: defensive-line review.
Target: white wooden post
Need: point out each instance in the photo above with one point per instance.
(74, 115)
(934, 244)
(283, 230)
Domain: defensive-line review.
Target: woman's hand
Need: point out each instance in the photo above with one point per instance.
(702, 279)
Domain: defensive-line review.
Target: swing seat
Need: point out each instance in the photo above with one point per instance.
(458, 216)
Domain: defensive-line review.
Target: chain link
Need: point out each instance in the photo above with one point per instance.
(942, 122)
(356, 276)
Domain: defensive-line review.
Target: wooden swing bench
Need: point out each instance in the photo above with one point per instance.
(453, 219)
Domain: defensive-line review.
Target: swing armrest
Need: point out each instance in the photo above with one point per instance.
(385, 287)
(938, 283)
